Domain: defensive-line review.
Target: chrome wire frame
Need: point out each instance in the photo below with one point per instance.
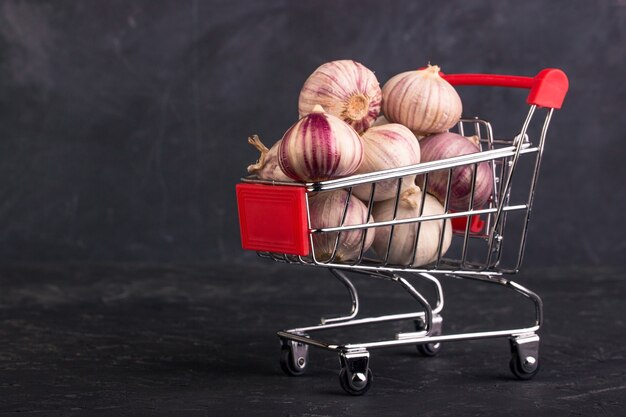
(503, 156)
(302, 334)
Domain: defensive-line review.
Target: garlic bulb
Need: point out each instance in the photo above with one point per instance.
(319, 147)
(387, 146)
(422, 101)
(345, 89)
(326, 210)
(401, 249)
(267, 167)
(448, 145)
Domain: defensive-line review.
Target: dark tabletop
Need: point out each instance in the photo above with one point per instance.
(201, 341)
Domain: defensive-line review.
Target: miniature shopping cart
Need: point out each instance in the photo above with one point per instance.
(487, 244)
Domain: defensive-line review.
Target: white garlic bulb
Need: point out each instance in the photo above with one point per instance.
(401, 249)
(422, 101)
(326, 210)
(345, 89)
(387, 146)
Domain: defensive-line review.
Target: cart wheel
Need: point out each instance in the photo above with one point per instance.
(524, 369)
(358, 384)
(524, 356)
(290, 365)
(429, 349)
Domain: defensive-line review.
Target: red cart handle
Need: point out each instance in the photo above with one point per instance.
(547, 89)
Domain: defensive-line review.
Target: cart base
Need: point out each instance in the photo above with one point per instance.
(356, 377)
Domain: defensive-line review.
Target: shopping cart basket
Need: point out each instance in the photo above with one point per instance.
(487, 244)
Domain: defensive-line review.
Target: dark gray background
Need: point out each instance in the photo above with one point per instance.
(123, 124)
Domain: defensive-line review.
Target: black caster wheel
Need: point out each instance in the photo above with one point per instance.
(293, 365)
(429, 349)
(357, 384)
(524, 362)
(524, 368)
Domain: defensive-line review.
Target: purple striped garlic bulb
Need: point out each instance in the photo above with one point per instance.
(404, 235)
(320, 147)
(266, 168)
(326, 210)
(448, 145)
(345, 89)
(387, 146)
(422, 101)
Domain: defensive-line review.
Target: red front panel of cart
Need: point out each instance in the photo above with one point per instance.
(273, 218)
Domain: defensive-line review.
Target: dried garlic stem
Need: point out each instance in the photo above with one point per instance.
(431, 70)
(407, 197)
(256, 142)
(474, 139)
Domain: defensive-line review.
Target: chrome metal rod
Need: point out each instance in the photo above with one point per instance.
(417, 169)
(287, 334)
(442, 338)
(446, 203)
(418, 219)
(509, 178)
(500, 280)
(418, 226)
(396, 202)
(533, 184)
(333, 255)
(406, 339)
(359, 322)
(392, 269)
(349, 319)
(370, 206)
(532, 296)
(439, 303)
(428, 317)
(354, 296)
(390, 276)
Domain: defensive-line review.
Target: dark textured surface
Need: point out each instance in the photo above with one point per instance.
(176, 340)
(123, 129)
(123, 123)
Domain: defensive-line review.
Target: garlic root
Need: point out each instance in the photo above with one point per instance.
(266, 167)
(256, 142)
